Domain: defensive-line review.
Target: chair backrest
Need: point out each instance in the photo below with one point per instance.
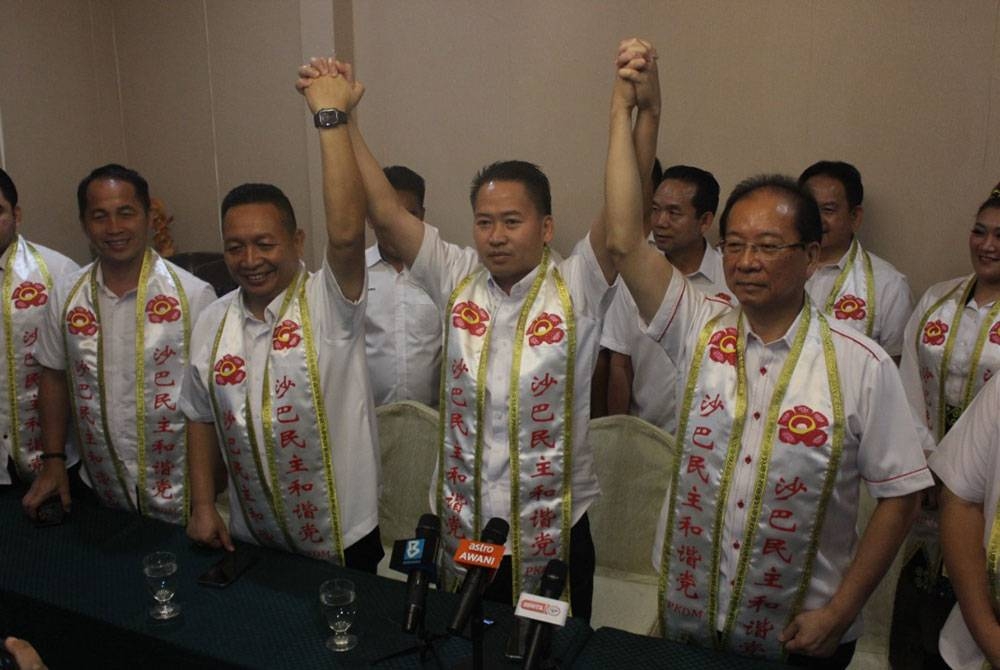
(632, 459)
(408, 435)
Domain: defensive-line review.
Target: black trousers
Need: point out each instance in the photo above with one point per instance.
(840, 659)
(365, 554)
(582, 562)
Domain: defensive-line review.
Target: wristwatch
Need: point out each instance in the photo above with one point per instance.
(328, 117)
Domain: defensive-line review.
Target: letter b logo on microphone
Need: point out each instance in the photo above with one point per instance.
(414, 550)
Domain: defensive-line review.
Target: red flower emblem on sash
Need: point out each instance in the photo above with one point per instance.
(934, 332)
(471, 317)
(285, 335)
(850, 307)
(29, 294)
(229, 370)
(722, 346)
(545, 330)
(163, 308)
(802, 425)
(995, 333)
(81, 321)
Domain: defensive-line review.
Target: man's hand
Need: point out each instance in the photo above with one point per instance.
(636, 63)
(207, 527)
(815, 632)
(328, 67)
(24, 654)
(52, 480)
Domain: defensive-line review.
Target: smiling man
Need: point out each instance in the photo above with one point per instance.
(113, 352)
(852, 285)
(521, 338)
(784, 414)
(278, 377)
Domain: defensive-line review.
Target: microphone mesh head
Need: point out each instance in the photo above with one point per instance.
(495, 531)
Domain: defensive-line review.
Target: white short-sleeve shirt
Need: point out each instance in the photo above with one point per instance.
(893, 300)
(339, 332)
(881, 447)
(438, 268)
(968, 462)
(118, 325)
(402, 335)
(59, 267)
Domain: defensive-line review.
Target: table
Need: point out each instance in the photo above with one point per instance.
(77, 592)
(609, 648)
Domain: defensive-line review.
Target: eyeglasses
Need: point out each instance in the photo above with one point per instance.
(733, 248)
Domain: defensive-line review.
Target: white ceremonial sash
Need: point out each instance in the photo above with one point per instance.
(162, 333)
(935, 344)
(540, 422)
(795, 473)
(298, 510)
(852, 298)
(26, 287)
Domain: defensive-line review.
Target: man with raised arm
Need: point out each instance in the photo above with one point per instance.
(29, 273)
(278, 377)
(113, 351)
(521, 337)
(783, 416)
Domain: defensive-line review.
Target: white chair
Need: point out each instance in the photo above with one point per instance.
(632, 459)
(408, 440)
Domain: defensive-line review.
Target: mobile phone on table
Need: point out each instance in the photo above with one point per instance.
(228, 569)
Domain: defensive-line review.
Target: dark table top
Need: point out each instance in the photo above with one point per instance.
(77, 592)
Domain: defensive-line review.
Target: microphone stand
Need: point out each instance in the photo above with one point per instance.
(476, 633)
(424, 647)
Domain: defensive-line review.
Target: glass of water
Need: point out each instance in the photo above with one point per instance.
(160, 569)
(339, 602)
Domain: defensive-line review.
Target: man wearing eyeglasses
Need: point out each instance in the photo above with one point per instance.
(784, 414)
(852, 285)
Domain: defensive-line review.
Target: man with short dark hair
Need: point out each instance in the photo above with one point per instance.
(277, 392)
(402, 323)
(642, 381)
(784, 414)
(852, 285)
(29, 272)
(521, 337)
(113, 351)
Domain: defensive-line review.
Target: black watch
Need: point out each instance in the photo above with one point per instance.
(329, 117)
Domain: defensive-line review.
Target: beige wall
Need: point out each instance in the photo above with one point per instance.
(197, 95)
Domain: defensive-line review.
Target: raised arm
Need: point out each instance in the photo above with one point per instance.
(343, 193)
(645, 272)
(395, 227)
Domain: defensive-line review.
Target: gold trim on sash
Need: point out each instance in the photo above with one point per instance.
(301, 424)
(848, 271)
(24, 267)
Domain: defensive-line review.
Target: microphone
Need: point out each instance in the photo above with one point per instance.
(482, 559)
(415, 557)
(539, 634)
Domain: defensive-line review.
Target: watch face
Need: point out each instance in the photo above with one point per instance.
(329, 118)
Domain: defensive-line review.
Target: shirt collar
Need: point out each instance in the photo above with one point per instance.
(273, 308)
(785, 341)
(519, 290)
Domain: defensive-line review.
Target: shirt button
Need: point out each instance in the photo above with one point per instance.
(763, 370)
(736, 545)
(747, 460)
(756, 415)
(739, 503)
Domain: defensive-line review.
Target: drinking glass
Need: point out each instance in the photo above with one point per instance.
(160, 569)
(339, 602)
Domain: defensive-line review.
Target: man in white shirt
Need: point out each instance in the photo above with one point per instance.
(402, 323)
(113, 352)
(29, 272)
(852, 285)
(642, 381)
(783, 416)
(521, 338)
(278, 385)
